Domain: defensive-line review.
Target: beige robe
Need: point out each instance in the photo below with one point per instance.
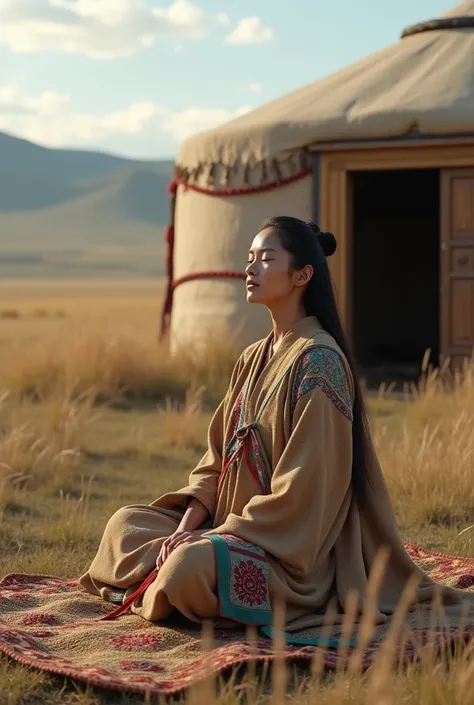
(276, 481)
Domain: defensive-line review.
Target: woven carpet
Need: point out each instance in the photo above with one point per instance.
(51, 624)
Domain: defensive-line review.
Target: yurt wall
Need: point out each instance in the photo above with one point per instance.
(214, 234)
(409, 106)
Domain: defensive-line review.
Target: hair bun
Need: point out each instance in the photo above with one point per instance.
(328, 242)
(326, 239)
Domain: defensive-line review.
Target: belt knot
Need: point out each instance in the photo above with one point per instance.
(243, 432)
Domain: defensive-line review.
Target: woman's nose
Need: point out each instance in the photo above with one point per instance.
(248, 269)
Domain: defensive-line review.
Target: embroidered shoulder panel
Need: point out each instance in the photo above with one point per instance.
(322, 367)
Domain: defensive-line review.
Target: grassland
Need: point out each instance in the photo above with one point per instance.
(81, 260)
(94, 414)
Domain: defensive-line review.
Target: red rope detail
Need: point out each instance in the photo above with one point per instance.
(245, 190)
(250, 465)
(126, 604)
(244, 448)
(169, 233)
(173, 187)
(224, 274)
(168, 303)
(169, 239)
(226, 466)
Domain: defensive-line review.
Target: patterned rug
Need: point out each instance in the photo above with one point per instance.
(51, 624)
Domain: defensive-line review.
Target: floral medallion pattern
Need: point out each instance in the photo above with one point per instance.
(35, 618)
(54, 627)
(243, 576)
(250, 584)
(132, 641)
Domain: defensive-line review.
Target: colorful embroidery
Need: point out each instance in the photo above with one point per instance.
(243, 576)
(248, 444)
(235, 542)
(244, 440)
(179, 652)
(322, 367)
(258, 461)
(236, 421)
(249, 585)
(236, 418)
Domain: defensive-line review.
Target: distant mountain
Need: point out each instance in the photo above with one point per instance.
(63, 164)
(20, 192)
(71, 200)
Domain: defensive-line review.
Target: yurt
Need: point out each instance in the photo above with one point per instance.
(381, 154)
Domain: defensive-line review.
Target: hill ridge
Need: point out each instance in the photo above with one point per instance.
(63, 199)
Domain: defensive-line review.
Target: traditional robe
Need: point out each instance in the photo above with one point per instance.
(276, 481)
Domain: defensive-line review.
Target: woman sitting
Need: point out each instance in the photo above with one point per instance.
(290, 488)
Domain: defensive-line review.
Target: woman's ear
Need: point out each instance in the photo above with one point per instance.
(304, 275)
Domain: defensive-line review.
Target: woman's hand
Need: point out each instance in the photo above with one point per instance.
(176, 539)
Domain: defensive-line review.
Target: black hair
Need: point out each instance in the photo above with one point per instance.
(308, 244)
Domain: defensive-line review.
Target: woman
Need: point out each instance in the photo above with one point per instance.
(290, 486)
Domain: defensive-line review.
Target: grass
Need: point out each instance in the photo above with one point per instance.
(104, 340)
(95, 415)
(89, 260)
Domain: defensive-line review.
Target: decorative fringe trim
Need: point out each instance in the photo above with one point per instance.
(183, 178)
(270, 170)
(245, 190)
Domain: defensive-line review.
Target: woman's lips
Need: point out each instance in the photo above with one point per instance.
(252, 285)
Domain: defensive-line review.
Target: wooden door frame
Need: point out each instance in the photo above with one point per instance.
(448, 245)
(335, 203)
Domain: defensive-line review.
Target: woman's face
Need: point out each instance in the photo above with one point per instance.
(269, 274)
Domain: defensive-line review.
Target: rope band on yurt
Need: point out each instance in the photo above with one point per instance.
(462, 22)
(224, 274)
(169, 239)
(170, 234)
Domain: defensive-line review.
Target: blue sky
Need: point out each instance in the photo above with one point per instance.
(136, 77)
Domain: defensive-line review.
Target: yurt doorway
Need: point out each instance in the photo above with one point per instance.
(396, 271)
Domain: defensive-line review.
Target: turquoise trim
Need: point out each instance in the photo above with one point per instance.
(227, 608)
(116, 600)
(331, 642)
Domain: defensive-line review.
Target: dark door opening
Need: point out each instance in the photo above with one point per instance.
(396, 280)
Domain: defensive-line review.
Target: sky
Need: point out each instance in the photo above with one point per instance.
(137, 77)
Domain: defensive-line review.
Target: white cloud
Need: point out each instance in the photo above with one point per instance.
(222, 18)
(103, 29)
(188, 122)
(254, 87)
(48, 118)
(250, 30)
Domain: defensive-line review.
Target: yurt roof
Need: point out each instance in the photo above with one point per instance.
(422, 83)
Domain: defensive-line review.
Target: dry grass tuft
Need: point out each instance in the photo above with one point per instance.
(425, 444)
(44, 449)
(116, 366)
(429, 462)
(440, 676)
(74, 512)
(180, 424)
